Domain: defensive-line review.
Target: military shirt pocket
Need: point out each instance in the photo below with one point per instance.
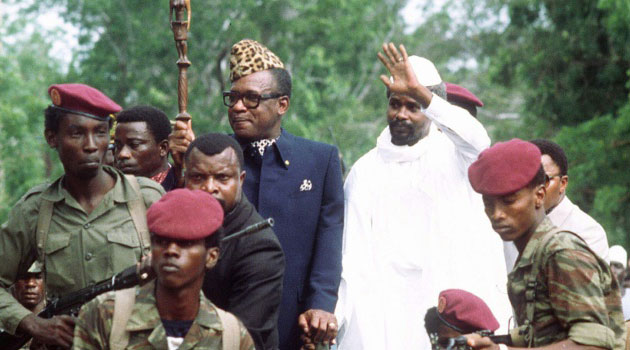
(124, 248)
(58, 255)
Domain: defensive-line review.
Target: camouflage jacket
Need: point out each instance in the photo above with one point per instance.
(94, 325)
(576, 296)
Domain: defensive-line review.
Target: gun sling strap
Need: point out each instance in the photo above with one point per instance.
(136, 208)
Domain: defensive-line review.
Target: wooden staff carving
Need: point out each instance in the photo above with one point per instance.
(180, 25)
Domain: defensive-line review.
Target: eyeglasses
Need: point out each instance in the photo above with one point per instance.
(550, 177)
(250, 99)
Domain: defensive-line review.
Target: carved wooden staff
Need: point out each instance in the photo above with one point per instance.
(180, 25)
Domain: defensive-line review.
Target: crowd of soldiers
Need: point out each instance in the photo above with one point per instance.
(354, 266)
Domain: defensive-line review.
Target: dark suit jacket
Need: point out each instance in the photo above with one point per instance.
(298, 182)
(247, 280)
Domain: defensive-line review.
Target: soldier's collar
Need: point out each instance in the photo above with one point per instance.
(527, 257)
(54, 192)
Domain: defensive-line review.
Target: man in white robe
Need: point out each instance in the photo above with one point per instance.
(413, 224)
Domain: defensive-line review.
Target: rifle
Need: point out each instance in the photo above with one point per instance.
(249, 229)
(129, 277)
(71, 303)
(461, 342)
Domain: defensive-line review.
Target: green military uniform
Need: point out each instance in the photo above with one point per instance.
(94, 324)
(80, 248)
(576, 297)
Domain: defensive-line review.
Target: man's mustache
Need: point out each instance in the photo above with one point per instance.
(399, 123)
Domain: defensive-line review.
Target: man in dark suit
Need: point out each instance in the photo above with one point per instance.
(296, 181)
(247, 280)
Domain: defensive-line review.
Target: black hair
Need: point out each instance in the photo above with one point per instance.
(431, 321)
(539, 179)
(214, 240)
(157, 121)
(283, 80)
(52, 117)
(554, 151)
(215, 143)
(438, 90)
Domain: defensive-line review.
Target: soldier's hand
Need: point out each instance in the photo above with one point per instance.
(478, 342)
(145, 270)
(58, 330)
(319, 325)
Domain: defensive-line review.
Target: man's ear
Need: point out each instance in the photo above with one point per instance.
(564, 181)
(540, 193)
(212, 256)
(283, 104)
(163, 146)
(51, 138)
(242, 177)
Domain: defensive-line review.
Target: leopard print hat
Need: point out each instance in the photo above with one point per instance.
(249, 56)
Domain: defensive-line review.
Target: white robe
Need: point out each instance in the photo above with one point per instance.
(414, 227)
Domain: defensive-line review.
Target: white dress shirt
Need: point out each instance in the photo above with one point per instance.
(570, 217)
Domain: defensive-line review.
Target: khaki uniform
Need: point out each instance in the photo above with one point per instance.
(80, 249)
(146, 332)
(576, 297)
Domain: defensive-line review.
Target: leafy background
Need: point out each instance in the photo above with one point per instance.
(544, 69)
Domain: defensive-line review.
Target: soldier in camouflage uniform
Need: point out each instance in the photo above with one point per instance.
(184, 226)
(83, 218)
(562, 293)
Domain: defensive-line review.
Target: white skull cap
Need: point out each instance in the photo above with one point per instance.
(425, 70)
(616, 253)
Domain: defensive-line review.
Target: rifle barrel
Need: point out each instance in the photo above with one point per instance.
(250, 229)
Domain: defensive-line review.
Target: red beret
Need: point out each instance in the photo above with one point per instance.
(461, 94)
(82, 99)
(505, 167)
(465, 312)
(185, 214)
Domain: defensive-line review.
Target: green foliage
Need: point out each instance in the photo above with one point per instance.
(25, 159)
(572, 68)
(598, 169)
(544, 69)
(328, 46)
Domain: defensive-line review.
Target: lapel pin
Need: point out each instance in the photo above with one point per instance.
(306, 185)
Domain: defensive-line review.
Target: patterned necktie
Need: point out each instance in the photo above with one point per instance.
(261, 145)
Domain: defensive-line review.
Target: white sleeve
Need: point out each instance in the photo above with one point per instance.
(464, 130)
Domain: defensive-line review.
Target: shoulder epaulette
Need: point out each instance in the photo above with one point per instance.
(34, 191)
(146, 182)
